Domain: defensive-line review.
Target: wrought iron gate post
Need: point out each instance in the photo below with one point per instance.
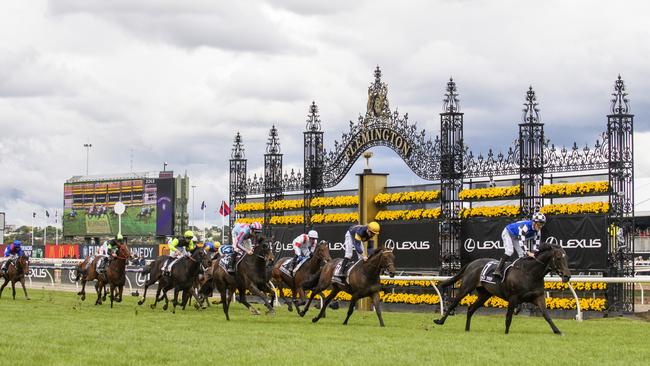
(451, 179)
(313, 163)
(620, 138)
(237, 178)
(272, 177)
(531, 156)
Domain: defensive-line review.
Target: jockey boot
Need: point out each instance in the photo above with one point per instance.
(344, 265)
(499, 271)
(294, 263)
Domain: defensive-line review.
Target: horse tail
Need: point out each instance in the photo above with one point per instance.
(453, 279)
(312, 281)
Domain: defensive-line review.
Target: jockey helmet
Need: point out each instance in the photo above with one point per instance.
(373, 227)
(312, 234)
(256, 226)
(539, 217)
(120, 237)
(17, 243)
(189, 234)
(217, 244)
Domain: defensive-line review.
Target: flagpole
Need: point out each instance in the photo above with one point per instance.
(33, 217)
(45, 232)
(223, 236)
(56, 227)
(205, 231)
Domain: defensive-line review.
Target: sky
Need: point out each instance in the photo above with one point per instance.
(153, 81)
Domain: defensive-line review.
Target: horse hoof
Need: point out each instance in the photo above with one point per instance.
(83, 297)
(28, 298)
(438, 321)
(290, 309)
(559, 333)
(314, 320)
(254, 311)
(152, 306)
(270, 312)
(302, 314)
(165, 307)
(140, 302)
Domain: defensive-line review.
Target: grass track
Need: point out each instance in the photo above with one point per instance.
(54, 328)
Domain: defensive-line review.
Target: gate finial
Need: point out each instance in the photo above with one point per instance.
(619, 102)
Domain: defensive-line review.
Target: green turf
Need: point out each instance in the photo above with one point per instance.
(54, 328)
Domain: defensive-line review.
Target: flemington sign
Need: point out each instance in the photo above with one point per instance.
(378, 136)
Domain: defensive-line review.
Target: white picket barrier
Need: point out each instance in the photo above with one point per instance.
(638, 280)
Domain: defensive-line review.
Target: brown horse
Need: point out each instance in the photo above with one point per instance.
(363, 281)
(320, 256)
(16, 272)
(115, 275)
(251, 275)
(524, 282)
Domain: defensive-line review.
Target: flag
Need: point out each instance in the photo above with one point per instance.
(224, 210)
(34, 215)
(202, 205)
(47, 213)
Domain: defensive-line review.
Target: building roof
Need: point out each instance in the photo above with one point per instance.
(112, 177)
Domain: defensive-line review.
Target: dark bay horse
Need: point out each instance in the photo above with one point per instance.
(320, 256)
(363, 281)
(524, 282)
(114, 276)
(16, 272)
(251, 275)
(182, 277)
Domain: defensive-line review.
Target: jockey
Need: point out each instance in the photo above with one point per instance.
(244, 233)
(179, 248)
(353, 238)
(12, 251)
(211, 248)
(109, 251)
(304, 246)
(520, 231)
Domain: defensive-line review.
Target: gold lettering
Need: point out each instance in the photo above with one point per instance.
(406, 151)
(399, 142)
(384, 134)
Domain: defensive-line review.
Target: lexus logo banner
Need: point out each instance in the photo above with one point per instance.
(584, 238)
(415, 244)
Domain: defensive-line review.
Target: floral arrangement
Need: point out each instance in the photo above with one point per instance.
(282, 205)
(575, 208)
(578, 286)
(250, 206)
(484, 193)
(490, 211)
(569, 189)
(287, 220)
(403, 197)
(334, 218)
(391, 215)
(338, 201)
(249, 220)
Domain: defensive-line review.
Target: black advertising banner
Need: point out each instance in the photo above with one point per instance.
(146, 251)
(584, 238)
(481, 238)
(165, 207)
(415, 244)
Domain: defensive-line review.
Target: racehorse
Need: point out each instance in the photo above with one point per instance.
(182, 278)
(16, 272)
(320, 256)
(363, 281)
(251, 274)
(145, 213)
(114, 276)
(524, 282)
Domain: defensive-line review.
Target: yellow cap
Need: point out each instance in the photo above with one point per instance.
(373, 227)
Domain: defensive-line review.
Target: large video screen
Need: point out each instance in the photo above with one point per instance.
(88, 207)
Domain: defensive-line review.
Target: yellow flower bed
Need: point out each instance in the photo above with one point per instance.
(249, 220)
(405, 283)
(561, 303)
(286, 204)
(391, 215)
(252, 206)
(575, 208)
(338, 201)
(403, 197)
(287, 220)
(569, 189)
(490, 211)
(483, 193)
(578, 286)
(335, 217)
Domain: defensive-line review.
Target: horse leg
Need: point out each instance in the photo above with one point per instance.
(112, 293)
(464, 290)
(304, 310)
(82, 293)
(283, 297)
(242, 299)
(257, 292)
(511, 310)
(156, 298)
(353, 302)
(483, 295)
(98, 289)
(224, 301)
(3, 286)
(329, 299)
(541, 304)
(376, 302)
(22, 282)
(175, 302)
(105, 292)
(13, 289)
(144, 295)
(120, 289)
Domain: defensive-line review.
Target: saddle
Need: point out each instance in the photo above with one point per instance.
(288, 269)
(228, 264)
(487, 273)
(341, 274)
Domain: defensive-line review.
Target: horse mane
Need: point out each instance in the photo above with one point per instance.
(544, 247)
